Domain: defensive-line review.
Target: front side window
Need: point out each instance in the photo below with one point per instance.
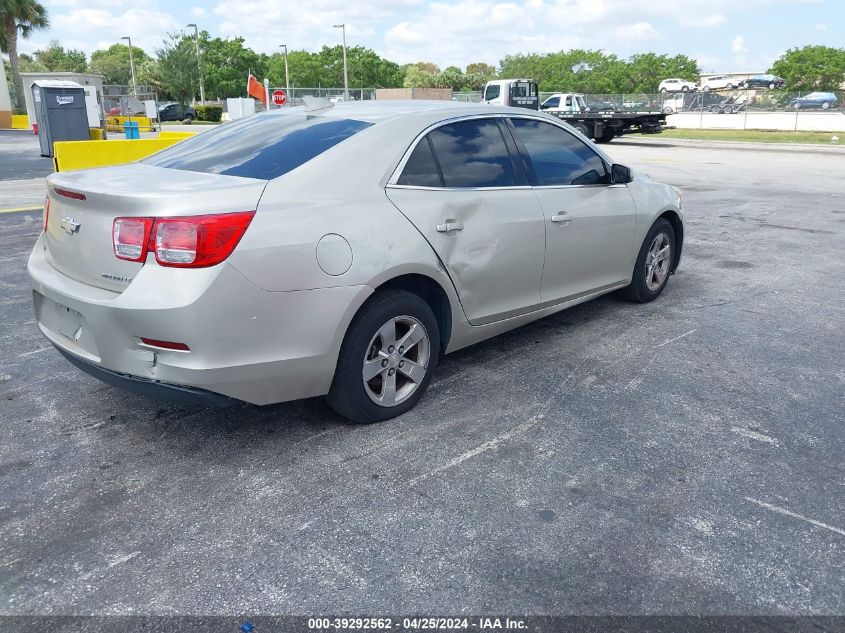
(492, 92)
(473, 154)
(263, 146)
(558, 157)
(552, 102)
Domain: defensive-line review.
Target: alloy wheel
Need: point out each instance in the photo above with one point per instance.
(658, 261)
(396, 361)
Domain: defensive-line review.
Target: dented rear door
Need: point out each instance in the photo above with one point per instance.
(492, 242)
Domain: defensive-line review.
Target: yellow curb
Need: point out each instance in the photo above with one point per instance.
(21, 209)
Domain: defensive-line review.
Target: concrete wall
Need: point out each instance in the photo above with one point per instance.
(5, 100)
(437, 94)
(83, 79)
(787, 121)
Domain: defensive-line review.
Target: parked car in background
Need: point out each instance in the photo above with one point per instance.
(564, 102)
(823, 100)
(762, 81)
(677, 85)
(719, 82)
(195, 275)
(176, 112)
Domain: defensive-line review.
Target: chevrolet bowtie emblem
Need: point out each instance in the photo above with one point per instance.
(70, 226)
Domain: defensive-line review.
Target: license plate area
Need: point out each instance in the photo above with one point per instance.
(65, 326)
(69, 322)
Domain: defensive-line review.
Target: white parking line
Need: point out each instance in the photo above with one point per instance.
(795, 515)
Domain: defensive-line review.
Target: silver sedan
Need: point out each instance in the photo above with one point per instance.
(339, 250)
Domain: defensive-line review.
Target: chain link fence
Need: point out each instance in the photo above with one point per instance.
(335, 95)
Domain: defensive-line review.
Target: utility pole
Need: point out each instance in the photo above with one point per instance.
(131, 66)
(199, 62)
(345, 70)
(287, 82)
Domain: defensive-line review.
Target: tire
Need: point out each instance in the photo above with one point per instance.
(189, 117)
(729, 86)
(663, 90)
(706, 88)
(641, 291)
(606, 137)
(685, 89)
(668, 111)
(366, 345)
(583, 129)
(771, 86)
(825, 105)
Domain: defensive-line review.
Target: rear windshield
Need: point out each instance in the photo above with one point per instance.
(263, 146)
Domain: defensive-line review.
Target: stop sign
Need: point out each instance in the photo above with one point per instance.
(279, 97)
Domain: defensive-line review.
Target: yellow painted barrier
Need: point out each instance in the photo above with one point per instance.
(96, 134)
(179, 135)
(70, 155)
(20, 122)
(115, 123)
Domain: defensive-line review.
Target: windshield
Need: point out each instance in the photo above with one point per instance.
(262, 146)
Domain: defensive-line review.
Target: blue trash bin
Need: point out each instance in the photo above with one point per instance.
(131, 130)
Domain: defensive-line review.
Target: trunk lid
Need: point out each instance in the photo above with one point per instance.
(78, 238)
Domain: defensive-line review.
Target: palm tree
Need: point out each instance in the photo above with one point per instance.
(19, 18)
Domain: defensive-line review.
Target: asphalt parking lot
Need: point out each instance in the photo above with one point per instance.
(679, 457)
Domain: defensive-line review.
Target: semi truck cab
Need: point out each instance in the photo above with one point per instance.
(517, 93)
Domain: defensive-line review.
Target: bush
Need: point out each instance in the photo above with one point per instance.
(211, 113)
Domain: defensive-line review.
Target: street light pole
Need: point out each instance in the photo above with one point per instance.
(199, 62)
(131, 66)
(287, 82)
(345, 70)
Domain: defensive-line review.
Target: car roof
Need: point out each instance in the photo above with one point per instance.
(379, 111)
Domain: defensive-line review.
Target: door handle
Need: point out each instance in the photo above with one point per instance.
(450, 225)
(561, 218)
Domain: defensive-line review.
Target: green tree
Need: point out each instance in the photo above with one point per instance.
(645, 71)
(19, 18)
(305, 69)
(480, 68)
(177, 67)
(226, 64)
(417, 77)
(811, 68)
(598, 72)
(56, 59)
(113, 63)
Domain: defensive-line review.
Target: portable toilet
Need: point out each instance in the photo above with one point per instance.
(61, 113)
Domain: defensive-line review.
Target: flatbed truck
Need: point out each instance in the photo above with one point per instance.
(601, 125)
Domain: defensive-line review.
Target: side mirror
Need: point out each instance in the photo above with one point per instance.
(619, 174)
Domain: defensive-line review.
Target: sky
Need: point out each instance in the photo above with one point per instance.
(723, 35)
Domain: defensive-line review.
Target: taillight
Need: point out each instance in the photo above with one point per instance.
(184, 242)
(130, 237)
(46, 214)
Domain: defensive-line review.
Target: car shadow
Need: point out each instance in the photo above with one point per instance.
(295, 421)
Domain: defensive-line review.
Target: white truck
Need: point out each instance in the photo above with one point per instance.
(516, 93)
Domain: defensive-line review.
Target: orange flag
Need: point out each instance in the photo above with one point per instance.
(255, 89)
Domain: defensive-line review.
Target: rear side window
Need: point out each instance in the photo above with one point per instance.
(264, 146)
(473, 154)
(421, 168)
(558, 157)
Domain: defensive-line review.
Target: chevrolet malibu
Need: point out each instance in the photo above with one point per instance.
(339, 250)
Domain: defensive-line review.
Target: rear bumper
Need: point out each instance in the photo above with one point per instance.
(152, 388)
(246, 344)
